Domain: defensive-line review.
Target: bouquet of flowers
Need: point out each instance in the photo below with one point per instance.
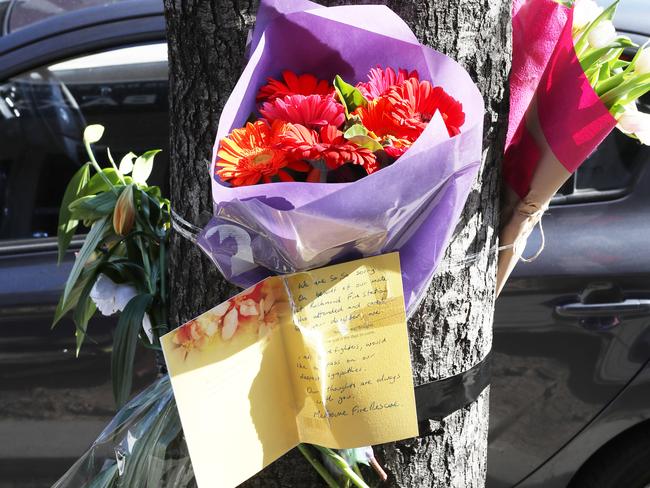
(343, 138)
(122, 265)
(570, 86)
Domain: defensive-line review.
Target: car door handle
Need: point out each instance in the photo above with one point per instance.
(626, 308)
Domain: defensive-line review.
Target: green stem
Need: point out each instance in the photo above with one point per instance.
(614, 95)
(344, 467)
(609, 83)
(318, 466)
(98, 168)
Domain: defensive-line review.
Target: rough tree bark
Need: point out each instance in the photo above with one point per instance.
(452, 329)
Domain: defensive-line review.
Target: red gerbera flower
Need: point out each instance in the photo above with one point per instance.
(415, 102)
(311, 111)
(328, 145)
(379, 118)
(396, 147)
(380, 81)
(293, 84)
(251, 153)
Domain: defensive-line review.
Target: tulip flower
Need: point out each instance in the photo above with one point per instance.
(642, 66)
(602, 35)
(585, 12)
(634, 122)
(124, 213)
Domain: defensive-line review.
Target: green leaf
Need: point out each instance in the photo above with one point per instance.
(68, 303)
(98, 231)
(83, 312)
(67, 226)
(355, 130)
(98, 184)
(602, 55)
(124, 344)
(93, 133)
(367, 142)
(143, 166)
(123, 270)
(126, 164)
(93, 207)
(350, 97)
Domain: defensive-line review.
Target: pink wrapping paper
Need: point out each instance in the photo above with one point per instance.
(573, 120)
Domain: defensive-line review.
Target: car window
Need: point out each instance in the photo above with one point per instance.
(42, 116)
(26, 12)
(611, 171)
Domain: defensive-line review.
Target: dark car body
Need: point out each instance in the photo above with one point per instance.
(572, 329)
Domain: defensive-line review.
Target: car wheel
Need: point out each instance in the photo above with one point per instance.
(624, 462)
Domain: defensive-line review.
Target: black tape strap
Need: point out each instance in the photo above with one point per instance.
(436, 400)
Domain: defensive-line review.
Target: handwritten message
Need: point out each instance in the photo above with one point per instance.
(349, 360)
(319, 357)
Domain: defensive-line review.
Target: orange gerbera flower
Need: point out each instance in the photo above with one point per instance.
(312, 111)
(293, 84)
(329, 145)
(251, 153)
(415, 102)
(380, 81)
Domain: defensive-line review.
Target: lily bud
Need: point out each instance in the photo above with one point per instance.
(638, 123)
(584, 13)
(602, 35)
(124, 213)
(642, 65)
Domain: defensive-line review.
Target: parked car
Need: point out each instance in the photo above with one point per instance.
(570, 392)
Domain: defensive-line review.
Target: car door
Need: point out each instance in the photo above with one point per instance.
(572, 328)
(53, 404)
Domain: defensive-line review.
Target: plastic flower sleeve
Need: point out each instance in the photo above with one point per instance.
(564, 123)
(411, 206)
(142, 446)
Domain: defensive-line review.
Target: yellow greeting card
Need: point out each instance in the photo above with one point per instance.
(319, 357)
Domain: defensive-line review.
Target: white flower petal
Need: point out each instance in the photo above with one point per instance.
(642, 65)
(123, 295)
(103, 294)
(602, 35)
(634, 122)
(585, 12)
(644, 137)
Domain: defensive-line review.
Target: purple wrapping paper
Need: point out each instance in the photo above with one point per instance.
(411, 206)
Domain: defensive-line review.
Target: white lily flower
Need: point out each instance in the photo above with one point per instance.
(634, 122)
(602, 35)
(585, 12)
(642, 65)
(109, 296)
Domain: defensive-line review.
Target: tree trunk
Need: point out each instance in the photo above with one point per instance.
(452, 329)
